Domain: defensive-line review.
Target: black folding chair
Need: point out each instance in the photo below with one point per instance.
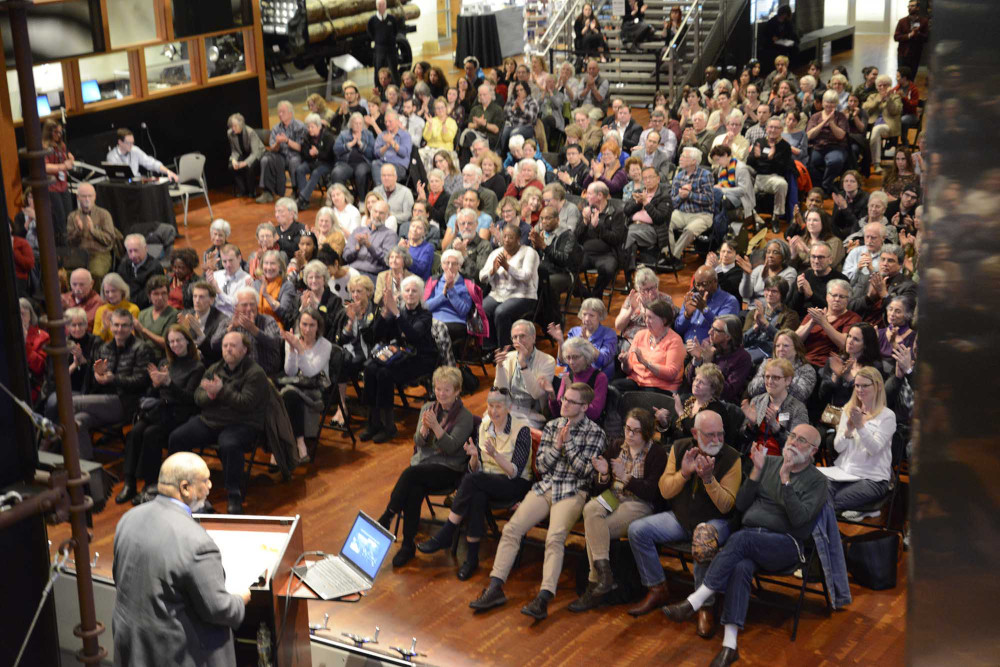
(780, 578)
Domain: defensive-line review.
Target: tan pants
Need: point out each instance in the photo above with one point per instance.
(690, 225)
(775, 185)
(603, 526)
(529, 514)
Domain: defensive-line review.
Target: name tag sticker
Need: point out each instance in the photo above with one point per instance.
(783, 416)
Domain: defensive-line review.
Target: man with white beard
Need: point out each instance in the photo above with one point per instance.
(701, 480)
(474, 248)
(780, 501)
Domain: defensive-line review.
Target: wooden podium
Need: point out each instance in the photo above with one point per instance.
(263, 549)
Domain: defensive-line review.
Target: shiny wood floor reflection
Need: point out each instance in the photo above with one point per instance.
(426, 601)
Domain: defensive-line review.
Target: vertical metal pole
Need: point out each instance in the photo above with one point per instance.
(672, 58)
(697, 35)
(89, 629)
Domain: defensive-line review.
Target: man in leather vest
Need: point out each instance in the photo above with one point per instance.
(701, 480)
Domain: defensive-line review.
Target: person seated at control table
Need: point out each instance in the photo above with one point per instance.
(439, 460)
(127, 153)
(499, 470)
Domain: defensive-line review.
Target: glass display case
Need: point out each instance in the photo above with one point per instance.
(167, 66)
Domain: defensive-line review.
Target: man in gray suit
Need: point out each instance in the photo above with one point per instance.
(172, 606)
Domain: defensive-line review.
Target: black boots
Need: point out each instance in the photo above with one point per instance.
(387, 423)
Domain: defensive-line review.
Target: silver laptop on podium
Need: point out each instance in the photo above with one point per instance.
(360, 559)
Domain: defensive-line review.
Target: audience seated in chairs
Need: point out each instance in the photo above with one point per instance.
(153, 321)
(866, 257)
(692, 197)
(522, 370)
(787, 345)
(328, 230)
(267, 239)
(448, 297)
(511, 271)
(83, 347)
(245, 153)
(307, 376)
(809, 289)
(565, 463)
(219, 232)
(399, 261)
(499, 471)
(823, 331)
(443, 433)
(116, 297)
(183, 265)
(474, 248)
(203, 321)
(317, 159)
(276, 293)
(632, 315)
(580, 357)
(766, 317)
(289, 229)
(861, 350)
(263, 335)
(282, 153)
(724, 348)
(317, 294)
(82, 294)
(898, 326)
(655, 360)
(728, 274)
(392, 146)
(357, 335)
(864, 446)
(406, 351)
(771, 416)
(354, 149)
(646, 211)
(886, 104)
(701, 481)
(871, 292)
(601, 233)
(231, 278)
(558, 259)
(398, 196)
(35, 341)
(775, 263)
(137, 268)
(175, 382)
(231, 395)
(368, 246)
(827, 131)
(605, 341)
(780, 499)
(420, 250)
(817, 229)
(705, 391)
(120, 379)
(627, 479)
(771, 158)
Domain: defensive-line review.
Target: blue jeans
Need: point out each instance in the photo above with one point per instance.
(306, 187)
(852, 495)
(733, 567)
(644, 534)
(826, 165)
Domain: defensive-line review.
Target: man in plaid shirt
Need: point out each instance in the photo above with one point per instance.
(565, 464)
(693, 197)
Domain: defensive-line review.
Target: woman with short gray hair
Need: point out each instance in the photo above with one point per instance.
(399, 261)
(604, 339)
(245, 151)
(580, 357)
(355, 151)
(317, 159)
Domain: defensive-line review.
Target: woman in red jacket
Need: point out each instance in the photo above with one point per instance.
(34, 344)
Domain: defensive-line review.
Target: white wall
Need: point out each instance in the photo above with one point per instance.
(426, 26)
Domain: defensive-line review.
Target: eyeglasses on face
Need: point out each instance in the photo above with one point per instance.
(795, 437)
(774, 378)
(503, 391)
(863, 385)
(570, 400)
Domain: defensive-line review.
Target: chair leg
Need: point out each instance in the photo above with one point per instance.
(204, 190)
(186, 198)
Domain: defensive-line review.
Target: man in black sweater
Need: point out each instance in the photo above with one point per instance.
(559, 257)
(780, 501)
(137, 268)
(382, 29)
(601, 231)
(647, 214)
(809, 288)
(771, 158)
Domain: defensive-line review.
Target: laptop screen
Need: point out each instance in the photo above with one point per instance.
(366, 545)
(91, 91)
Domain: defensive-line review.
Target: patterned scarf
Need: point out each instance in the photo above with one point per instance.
(727, 175)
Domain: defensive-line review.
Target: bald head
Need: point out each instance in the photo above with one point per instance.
(706, 280)
(184, 476)
(708, 420)
(81, 283)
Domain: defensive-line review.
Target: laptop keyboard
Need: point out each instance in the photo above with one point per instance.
(329, 579)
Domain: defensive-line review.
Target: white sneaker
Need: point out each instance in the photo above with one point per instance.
(854, 515)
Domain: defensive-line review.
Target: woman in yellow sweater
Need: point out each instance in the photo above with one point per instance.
(116, 293)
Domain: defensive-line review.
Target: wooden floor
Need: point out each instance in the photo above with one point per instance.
(426, 601)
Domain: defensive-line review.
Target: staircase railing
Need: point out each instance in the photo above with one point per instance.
(692, 28)
(558, 28)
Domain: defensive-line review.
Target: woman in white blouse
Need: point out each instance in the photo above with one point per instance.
(512, 273)
(340, 199)
(307, 358)
(864, 446)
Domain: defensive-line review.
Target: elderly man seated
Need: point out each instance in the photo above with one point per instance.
(780, 501)
(137, 268)
(232, 395)
(367, 249)
(600, 233)
(519, 371)
(82, 294)
(472, 179)
(283, 153)
(392, 146)
(474, 248)
(865, 258)
(399, 197)
(646, 211)
(666, 140)
(263, 335)
(701, 480)
(771, 157)
(693, 200)
(871, 292)
(702, 305)
(120, 380)
(558, 259)
(584, 132)
(91, 229)
(650, 154)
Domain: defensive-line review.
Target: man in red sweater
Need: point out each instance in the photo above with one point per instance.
(910, 96)
(24, 261)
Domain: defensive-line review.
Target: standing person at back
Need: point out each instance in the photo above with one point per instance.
(382, 29)
(172, 606)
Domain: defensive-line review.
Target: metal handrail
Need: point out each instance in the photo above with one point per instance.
(554, 29)
(693, 17)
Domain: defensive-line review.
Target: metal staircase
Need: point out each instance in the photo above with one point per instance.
(633, 75)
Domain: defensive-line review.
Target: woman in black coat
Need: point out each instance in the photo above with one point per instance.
(318, 158)
(176, 383)
(404, 348)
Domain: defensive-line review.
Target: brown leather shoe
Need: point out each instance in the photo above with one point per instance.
(706, 622)
(657, 596)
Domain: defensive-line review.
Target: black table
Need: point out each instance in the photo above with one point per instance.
(134, 203)
(490, 37)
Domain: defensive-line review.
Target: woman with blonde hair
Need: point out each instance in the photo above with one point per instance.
(327, 229)
(864, 446)
(317, 105)
(276, 294)
(340, 199)
(115, 291)
(439, 133)
(607, 169)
